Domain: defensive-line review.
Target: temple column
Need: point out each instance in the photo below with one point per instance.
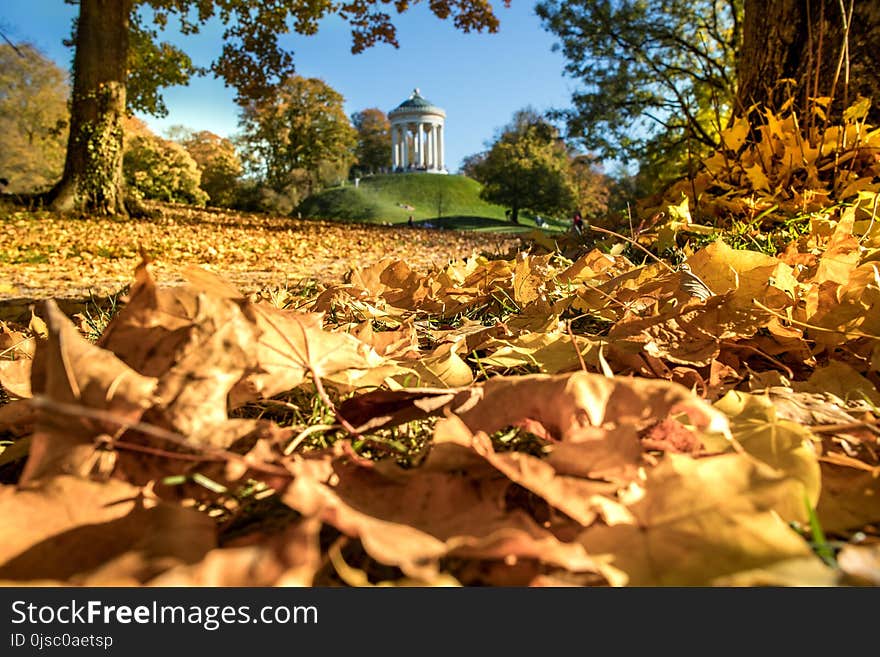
(404, 146)
(440, 148)
(394, 148)
(429, 149)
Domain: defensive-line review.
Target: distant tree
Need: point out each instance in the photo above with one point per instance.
(592, 187)
(528, 168)
(219, 163)
(658, 77)
(373, 151)
(301, 129)
(470, 163)
(251, 60)
(158, 169)
(33, 118)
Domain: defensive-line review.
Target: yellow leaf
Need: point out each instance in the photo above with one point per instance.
(781, 444)
(701, 520)
(735, 136)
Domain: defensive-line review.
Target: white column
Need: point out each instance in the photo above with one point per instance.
(441, 147)
(393, 147)
(404, 146)
(434, 158)
(429, 146)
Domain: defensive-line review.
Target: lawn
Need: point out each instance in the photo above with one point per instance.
(440, 201)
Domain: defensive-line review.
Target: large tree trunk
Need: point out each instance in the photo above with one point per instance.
(804, 40)
(92, 179)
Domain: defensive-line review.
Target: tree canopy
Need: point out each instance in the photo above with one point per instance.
(33, 118)
(657, 78)
(219, 163)
(302, 129)
(159, 169)
(373, 151)
(527, 168)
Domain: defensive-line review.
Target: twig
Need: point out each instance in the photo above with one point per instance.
(633, 242)
(735, 345)
(77, 410)
(574, 344)
(12, 45)
(848, 333)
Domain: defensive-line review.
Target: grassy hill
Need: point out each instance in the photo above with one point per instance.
(441, 201)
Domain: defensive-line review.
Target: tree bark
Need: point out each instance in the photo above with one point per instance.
(803, 40)
(92, 179)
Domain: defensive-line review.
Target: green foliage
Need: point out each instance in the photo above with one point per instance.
(301, 136)
(151, 66)
(373, 151)
(658, 77)
(160, 170)
(33, 118)
(528, 168)
(220, 166)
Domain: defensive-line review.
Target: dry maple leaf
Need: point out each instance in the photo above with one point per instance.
(577, 497)
(700, 520)
(289, 559)
(451, 505)
(68, 370)
(572, 404)
(95, 533)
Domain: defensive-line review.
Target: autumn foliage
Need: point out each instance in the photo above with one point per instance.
(520, 419)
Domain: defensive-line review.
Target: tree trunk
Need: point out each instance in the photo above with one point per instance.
(803, 40)
(92, 179)
(514, 214)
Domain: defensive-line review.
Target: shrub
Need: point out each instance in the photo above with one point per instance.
(161, 170)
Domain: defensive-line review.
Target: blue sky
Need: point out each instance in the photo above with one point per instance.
(479, 79)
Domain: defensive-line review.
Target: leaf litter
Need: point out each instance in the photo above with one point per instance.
(546, 417)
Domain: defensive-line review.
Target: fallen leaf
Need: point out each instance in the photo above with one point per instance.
(700, 520)
(95, 533)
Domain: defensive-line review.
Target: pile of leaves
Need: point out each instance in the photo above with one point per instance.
(774, 172)
(528, 420)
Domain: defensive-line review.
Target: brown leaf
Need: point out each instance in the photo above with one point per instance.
(292, 345)
(290, 559)
(17, 417)
(411, 518)
(70, 371)
(95, 533)
(576, 497)
(15, 377)
(14, 343)
(572, 405)
(861, 563)
(850, 498)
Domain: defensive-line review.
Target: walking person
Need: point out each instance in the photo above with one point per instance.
(578, 222)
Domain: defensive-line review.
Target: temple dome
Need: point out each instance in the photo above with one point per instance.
(416, 104)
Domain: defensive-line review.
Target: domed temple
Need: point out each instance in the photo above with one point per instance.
(417, 135)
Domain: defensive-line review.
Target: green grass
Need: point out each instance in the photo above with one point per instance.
(436, 200)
